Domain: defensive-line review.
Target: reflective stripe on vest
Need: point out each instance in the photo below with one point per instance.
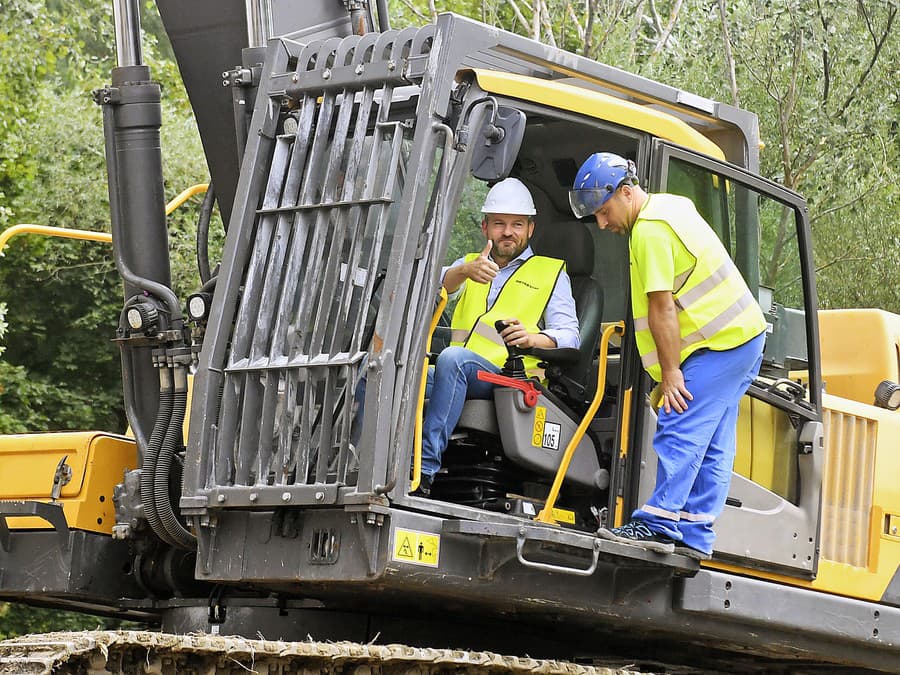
(715, 308)
(524, 296)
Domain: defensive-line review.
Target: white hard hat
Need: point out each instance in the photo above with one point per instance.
(509, 196)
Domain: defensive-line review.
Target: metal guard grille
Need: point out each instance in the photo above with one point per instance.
(848, 485)
(310, 291)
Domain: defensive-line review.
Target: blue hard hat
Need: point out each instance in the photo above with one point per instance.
(598, 178)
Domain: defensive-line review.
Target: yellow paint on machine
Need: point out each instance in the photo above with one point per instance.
(98, 461)
(860, 551)
(564, 516)
(600, 105)
(537, 433)
(417, 548)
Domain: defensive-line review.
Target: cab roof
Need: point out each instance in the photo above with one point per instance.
(599, 105)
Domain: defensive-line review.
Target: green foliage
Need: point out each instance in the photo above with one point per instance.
(466, 236)
(61, 368)
(820, 76)
(16, 619)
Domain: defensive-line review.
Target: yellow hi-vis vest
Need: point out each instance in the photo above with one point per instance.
(715, 308)
(524, 296)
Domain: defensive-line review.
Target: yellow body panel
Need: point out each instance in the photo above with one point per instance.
(860, 528)
(98, 461)
(599, 105)
(847, 370)
(766, 448)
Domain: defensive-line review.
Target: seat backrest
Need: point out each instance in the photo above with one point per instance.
(571, 241)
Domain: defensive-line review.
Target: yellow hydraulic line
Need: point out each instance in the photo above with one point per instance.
(47, 231)
(88, 235)
(546, 514)
(420, 404)
(185, 195)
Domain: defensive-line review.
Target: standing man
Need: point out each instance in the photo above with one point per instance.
(532, 294)
(700, 334)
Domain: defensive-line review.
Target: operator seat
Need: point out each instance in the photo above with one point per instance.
(572, 241)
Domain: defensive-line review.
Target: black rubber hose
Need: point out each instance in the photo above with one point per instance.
(206, 209)
(140, 436)
(148, 466)
(210, 285)
(177, 534)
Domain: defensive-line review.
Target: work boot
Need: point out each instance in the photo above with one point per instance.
(636, 533)
(424, 489)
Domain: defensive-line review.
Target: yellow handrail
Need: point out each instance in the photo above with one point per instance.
(420, 404)
(185, 195)
(546, 514)
(47, 231)
(89, 235)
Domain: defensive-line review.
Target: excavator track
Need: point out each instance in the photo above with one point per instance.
(104, 652)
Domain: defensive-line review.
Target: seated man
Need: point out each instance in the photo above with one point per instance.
(506, 281)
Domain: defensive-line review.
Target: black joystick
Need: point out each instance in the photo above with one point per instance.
(515, 365)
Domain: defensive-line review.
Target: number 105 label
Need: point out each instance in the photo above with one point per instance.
(544, 434)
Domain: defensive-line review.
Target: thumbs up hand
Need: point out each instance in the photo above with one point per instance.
(482, 269)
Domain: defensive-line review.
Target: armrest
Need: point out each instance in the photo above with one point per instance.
(558, 355)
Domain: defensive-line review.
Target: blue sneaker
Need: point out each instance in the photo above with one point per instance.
(636, 533)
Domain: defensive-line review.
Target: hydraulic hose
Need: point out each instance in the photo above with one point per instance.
(176, 532)
(151, 455)
(384, 20)
(203, 233)
(140, 438)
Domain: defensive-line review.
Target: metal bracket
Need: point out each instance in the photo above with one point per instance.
(217, 609)
(369, 535)
(51, 512)
(61, 477)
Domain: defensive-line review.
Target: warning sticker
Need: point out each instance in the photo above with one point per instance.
(537, 434)
(544, 434)
(564, 516)
(418, 548)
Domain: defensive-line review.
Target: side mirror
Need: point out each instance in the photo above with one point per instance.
(496, 144)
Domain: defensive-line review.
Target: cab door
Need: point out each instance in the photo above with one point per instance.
(771, 518)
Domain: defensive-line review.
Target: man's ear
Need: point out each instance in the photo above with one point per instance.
(484, 226)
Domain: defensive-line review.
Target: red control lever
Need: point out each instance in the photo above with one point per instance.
(525, 386)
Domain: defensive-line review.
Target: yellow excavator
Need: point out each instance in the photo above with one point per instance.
(250, 496)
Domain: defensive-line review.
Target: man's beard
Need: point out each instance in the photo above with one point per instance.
(515, 251)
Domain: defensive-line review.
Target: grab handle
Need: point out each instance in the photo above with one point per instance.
(550, 567)
(52, 513)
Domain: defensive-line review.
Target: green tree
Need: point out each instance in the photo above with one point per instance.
(17, 619)
(820, 76)
(60, 369)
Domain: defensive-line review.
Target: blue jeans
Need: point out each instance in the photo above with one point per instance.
(451, 381)
(696, 448)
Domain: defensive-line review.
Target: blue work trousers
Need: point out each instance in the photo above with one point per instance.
(451, 381)
(696, 448)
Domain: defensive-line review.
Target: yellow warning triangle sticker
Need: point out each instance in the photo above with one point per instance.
(405, 550)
